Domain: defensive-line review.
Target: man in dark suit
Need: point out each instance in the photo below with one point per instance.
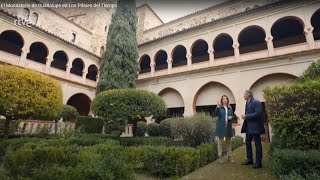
(253, 127)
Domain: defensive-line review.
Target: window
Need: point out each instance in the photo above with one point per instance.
(34, 18)
(73, 37)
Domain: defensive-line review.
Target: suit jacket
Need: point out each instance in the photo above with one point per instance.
(254, 123)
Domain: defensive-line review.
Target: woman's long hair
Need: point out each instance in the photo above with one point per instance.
(228, 105)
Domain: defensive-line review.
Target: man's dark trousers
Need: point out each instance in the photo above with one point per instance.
(257, 141)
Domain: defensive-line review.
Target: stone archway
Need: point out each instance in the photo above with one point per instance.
(270, 80)
(81, 102)
(207, 96)
(174, 102)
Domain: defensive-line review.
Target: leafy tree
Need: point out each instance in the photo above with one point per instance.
(68, 113)
(311, 73)
(122, 106)
(119, 67)
(25, 93)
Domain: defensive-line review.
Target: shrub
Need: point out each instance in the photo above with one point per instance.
(195, 130)
(68, 113)
(287, 161)
(57, 159)
(121, 106)
(312, 72)
(237, 141)
(152, 141)
(165, 127)
(25, 93)
(141, 129)
(153, 129)
(294, 114)
(89, 124)
(172, 161)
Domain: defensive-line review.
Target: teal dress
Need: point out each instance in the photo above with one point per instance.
(223, 130)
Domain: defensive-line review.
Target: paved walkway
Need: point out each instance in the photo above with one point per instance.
(227, 171)
(236, 171)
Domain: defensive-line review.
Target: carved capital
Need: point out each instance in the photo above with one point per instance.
(269, 38)
(152, 64)
(308, 30)
(235, 45)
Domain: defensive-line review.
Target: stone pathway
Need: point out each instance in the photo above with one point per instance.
(228, 171)
(236, 171)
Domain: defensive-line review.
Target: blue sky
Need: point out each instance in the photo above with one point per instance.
(169, 10)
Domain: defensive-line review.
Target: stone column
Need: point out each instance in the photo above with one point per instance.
(309, 36)
(48, 65)
(169, 61)
(211, 56)
(236, 51)
(269, 42)
(23, 57)
(152, 65)
(189, 61)
(84, 75)
(69, 66)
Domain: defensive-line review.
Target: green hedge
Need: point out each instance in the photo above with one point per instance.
(139, 141)
(294, 114)
(153, 129)
(95, 156)
(64, 159)
(288, 162)
(89, 124)
(141, 129)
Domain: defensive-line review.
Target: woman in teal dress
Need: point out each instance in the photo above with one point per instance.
(225, 115)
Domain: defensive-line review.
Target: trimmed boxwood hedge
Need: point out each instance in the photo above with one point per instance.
(89, 124)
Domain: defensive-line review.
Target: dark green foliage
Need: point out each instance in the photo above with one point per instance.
(119, 67)
(68, 113)
(141, 129)
(294, 114)
(287, 162)
(120, 106)
(313, 72)
(62, 159)
(95, 156)
(195, 130)
(153, 129)
(150, 141)
(165, 127)
(89, 124)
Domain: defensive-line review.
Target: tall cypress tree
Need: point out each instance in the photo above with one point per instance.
(119, 67)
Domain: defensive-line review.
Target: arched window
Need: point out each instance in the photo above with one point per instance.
(223, 46)
(38, 52)
(315, 21)
(101, 50)
(60, 60)
(34, 18)
(73, 37)
(161, 60)
(92, 72)
(77, 67)
(145, 64)
(179, 56)
(11, 42)
(252, 39)
(25, 13)
(287, 31)
(200, 51)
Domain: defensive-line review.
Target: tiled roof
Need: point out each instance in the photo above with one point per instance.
(253, 10)
(45, 31)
